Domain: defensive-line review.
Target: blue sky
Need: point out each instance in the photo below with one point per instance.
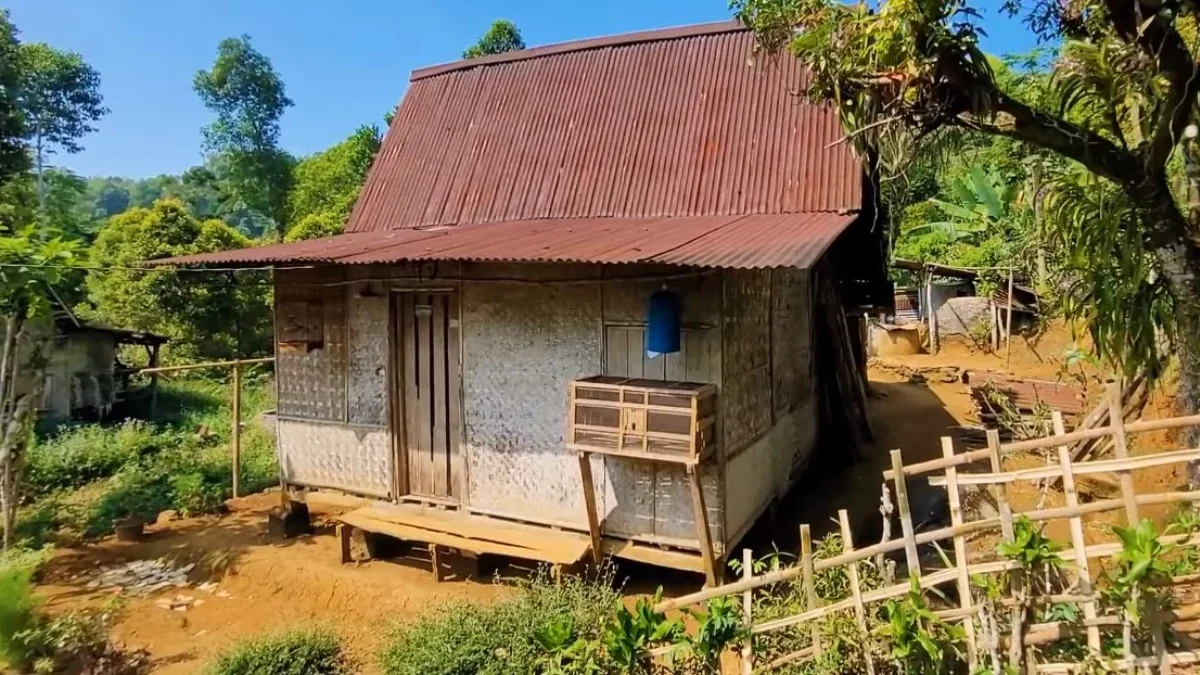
(344, 62)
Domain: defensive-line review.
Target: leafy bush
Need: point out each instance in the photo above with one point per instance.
(78, 642)
(300, 652)
(86, 453)
(18, 607)
(504, 637)
(86, 477)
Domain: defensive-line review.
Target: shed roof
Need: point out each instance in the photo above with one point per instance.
(752, 241)
(679, 140)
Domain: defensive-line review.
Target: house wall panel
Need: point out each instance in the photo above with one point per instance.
(312, 383)
(366, 359)
(331, 455)
(746, 357)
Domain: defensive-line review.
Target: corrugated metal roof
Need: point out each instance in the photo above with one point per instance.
(747, 241)
(677, 122)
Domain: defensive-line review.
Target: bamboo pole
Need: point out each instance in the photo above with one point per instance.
(210, 364)
(1078, 543)
(236, 441)
(1008, 325)
(810, 591)
(973, 456)
(860, 610)
(748, 613)
(1121, 451)
(960, 548)
(912, 559)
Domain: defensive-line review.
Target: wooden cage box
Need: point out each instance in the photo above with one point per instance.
(648, 419)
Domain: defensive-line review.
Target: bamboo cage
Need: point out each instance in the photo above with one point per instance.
(948, 472)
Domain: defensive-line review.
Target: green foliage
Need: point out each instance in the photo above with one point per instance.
(1141, 565)
(18, 606)
(1030, 548)
(508, 636)
(565, 651)
(78, 642)
(14, 159)
(719, 627)
(920, 642)
(60, 98)
(248, 98)
(503, 36)
(983, 201)
(207, 315)
(315, 226)
(296, 652)
(28, 264)
(630, 634)
(87, 476)
(327, 183)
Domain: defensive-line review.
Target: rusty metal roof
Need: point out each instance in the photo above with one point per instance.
(675, 122)
(749, 241)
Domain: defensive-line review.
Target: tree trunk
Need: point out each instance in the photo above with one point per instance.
(1178, 255)
(41, 185)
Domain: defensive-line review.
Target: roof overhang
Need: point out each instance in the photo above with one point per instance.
(731, 241)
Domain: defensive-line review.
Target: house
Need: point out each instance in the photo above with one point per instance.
(475, 352)
(946, 300)
(84, 377)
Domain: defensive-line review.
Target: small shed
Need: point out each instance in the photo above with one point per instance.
(473, 355)
(84, 375)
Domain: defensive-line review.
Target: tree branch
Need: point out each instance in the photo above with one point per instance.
(1159, 40)
(1014, 119)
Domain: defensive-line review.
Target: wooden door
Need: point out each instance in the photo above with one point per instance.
(429, 381)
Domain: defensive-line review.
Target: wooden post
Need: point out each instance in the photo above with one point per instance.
(1078, 543)
(702, 531)
(911, 558)
(1116, 422)
(810, 588)
(748, 613)
(435, 559)
(343, 533)
(1008, 324)
(236, 443)
(1006, 527)
(589, 503)
(960, 549)
(860, 610)
(154, 382)
(930, 314)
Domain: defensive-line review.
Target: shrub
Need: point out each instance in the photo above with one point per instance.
(505, 637)
(18, 607)
(78, 642)
(86, 453)
(299, 652)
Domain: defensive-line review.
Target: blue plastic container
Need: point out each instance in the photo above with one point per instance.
(663, 324)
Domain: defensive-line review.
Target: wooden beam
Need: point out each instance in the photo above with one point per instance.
(960, 547)
(810, 588)
(860, 610)
(1116, 419)
(210, 364)
(589, 504)
(702, 531)
(1008, 325)
(1078, 543)
(912, 559)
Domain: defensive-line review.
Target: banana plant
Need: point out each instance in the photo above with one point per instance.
(982, 202)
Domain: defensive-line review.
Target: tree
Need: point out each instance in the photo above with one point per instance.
(30, 264)
(14, 159)
(1124, 92)
(60, 99)
(248, 98)
(502, 37)
(212, 315)
(326, 185)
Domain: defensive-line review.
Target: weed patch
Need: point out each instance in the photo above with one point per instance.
(300, 652)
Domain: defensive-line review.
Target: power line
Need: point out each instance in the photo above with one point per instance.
(111, 268)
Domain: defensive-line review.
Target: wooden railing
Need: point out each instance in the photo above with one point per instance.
(950, 472)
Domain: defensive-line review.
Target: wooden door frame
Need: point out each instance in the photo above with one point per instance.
(397, 402)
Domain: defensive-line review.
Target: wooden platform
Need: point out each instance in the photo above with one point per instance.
(478, 534)
(466, 532)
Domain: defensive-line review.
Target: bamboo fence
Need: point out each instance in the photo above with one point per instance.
(950, 472)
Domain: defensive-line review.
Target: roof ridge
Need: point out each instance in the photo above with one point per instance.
(621, 39)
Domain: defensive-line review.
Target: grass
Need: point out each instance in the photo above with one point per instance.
(18, 606)
(296, 652)
(81, 478)
(498, 638)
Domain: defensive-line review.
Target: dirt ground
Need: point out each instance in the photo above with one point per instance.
(274, 584)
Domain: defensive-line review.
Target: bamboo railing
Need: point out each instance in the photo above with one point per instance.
(950, 472)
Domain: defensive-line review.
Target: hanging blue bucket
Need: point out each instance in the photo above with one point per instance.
(663, 324)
